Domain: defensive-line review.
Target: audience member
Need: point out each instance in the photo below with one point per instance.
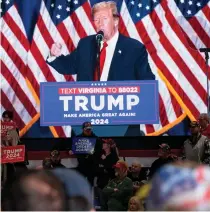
(47, 163)
(56, 159)
(114, 147)
(22, 166)
(138, 178)
(12, 138)
(197, 147)
(165, 157)
(119, 190)
(87, 163)
(78, 190)
(7, 123)
(36, 191)
(135, 204)
(109, 158)
(9, 169)
(180, 187)
(204, 123)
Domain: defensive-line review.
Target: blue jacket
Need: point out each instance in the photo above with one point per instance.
(130, 61)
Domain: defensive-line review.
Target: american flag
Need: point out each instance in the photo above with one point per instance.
(174, 185)
(171, 30)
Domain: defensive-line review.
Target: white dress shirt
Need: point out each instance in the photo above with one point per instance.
(109, 55)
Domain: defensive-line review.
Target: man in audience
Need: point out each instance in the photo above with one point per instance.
(197, 147)
(204, 123)
(87, 162)
(36, 191)
(165, 157)
(180, 187)
(119, 190)
(56, 159)
(137, 176)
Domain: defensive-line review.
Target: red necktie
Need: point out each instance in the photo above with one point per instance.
(102, 61)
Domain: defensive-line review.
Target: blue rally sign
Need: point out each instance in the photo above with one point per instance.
(83, 145)
(101, 103)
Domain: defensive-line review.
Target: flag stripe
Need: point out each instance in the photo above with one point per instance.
(150, 128)
(175, 55)
(206, 11)
(122, 27)
(182, 35)
(185, 26)
(42, 66)
(78, 26)
(199, 30)
(20, 109)
(160, 63)
(87, 8)
(204, 22)
(9, 41)
(131, 28)
(65, 32)
(18, 90)
(45, 33)
(169, 105)
(163, 115)
(18, 33)
(16, 74)
(84, 19)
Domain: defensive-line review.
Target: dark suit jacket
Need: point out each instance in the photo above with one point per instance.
(129, 62)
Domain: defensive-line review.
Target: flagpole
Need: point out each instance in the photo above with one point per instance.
(206, 51)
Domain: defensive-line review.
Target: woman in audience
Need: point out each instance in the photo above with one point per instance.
(135, 204)
(12, 138)
(9, 170)
(7, 123)
(109, 158)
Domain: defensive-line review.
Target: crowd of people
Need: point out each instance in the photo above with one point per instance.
(102, 176)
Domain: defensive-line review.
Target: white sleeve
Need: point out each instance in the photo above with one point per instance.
(50, 58)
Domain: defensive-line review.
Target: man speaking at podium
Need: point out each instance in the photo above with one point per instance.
(106, 56)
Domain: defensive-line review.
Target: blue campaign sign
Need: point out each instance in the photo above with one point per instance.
(101, 103)
(83, 145)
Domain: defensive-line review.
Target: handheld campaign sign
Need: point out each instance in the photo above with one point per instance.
(12, 154)
(5, 126)
(83, 145)
(101, 103)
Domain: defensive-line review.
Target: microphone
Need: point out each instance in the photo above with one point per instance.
(99, 36)
(204, 49)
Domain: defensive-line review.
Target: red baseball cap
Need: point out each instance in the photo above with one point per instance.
(121, 165)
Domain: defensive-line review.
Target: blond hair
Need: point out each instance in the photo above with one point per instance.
(14, 137)
(139, 203)
(106, 5)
